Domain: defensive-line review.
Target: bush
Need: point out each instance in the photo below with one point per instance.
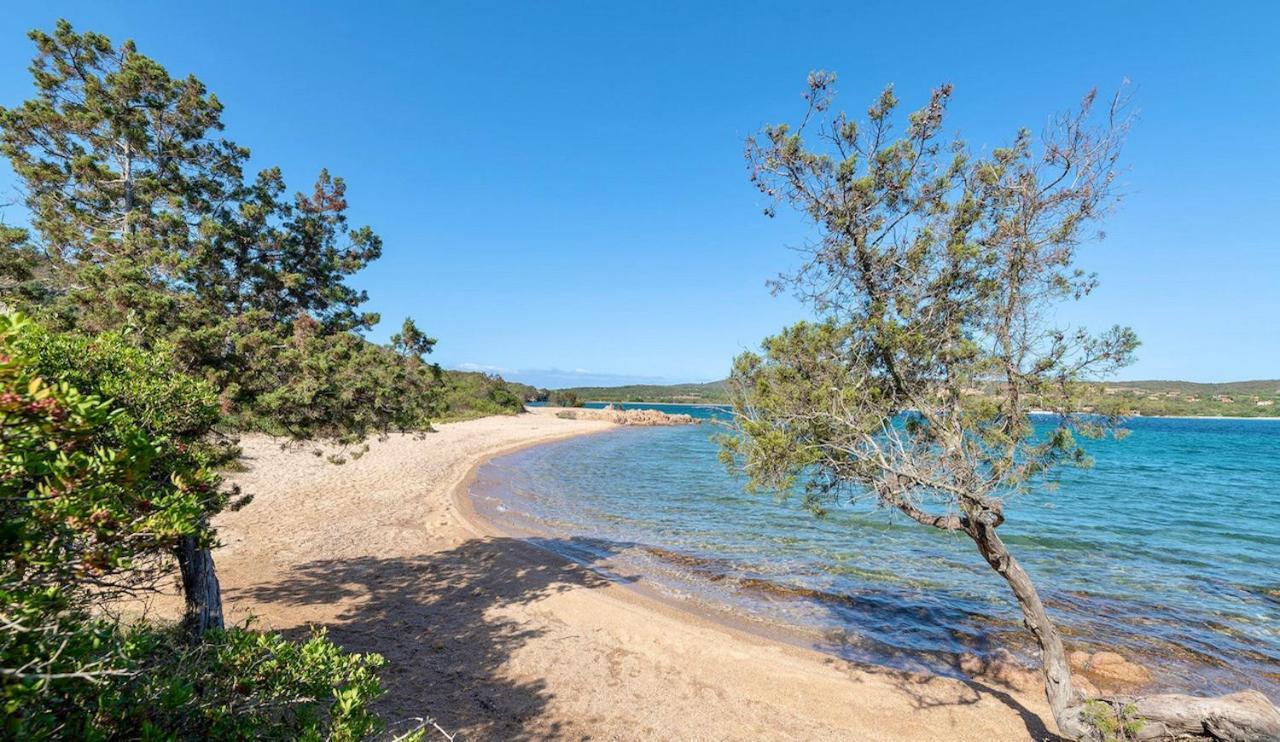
(312, 384)
(104, 467)
(469, 394)
(563, 399)
(234, 684)
(93, 495)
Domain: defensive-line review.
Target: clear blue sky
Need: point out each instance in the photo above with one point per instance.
(561, 185)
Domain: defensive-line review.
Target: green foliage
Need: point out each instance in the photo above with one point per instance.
(526, 392)
(240, 684)
(234, 684)
(931, 274)
(104, 467)
(92, 490)
(93, 497)
(140, 382)
(563, 398)
(20, 263)
(336, 386)
(1115, 722)
(183, 302)
(114, 152)
(714, 392)
(411, 341)
(148, 226)
(470, 394)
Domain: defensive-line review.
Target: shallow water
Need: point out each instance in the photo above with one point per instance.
(1167, 550)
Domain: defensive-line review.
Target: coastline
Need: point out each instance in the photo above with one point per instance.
(496, 637)
(1204, 417)
(1033, 412)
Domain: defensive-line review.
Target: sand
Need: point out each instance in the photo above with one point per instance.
(498, 639)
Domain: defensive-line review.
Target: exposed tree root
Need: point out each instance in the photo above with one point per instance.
(1247, 716)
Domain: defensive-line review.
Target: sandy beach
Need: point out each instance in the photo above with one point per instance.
(498, 639)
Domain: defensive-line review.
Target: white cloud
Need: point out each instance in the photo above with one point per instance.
(486, 369)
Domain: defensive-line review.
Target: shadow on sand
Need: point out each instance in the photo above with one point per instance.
(433, 617)
(921, 686)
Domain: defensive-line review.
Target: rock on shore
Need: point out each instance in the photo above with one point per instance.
(627, 417)
(1092, 673)
(1109, 671)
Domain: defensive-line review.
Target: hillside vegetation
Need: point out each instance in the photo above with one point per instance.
(712, 392)
(471, 394)
(1259, 398)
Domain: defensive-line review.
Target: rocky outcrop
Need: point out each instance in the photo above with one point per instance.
(1108, 671)
(1092, 672)
(627, 417)
(1101, 678)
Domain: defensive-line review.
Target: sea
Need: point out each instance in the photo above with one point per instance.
(1166, 550)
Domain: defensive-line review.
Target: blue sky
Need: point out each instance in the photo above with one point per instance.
(561, 189)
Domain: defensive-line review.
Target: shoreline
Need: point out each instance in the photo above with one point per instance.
(498, 637)
(695, 611)
(637, 594)
(498, 506)
(1033, 412)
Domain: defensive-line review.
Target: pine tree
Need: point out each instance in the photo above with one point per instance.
(142, 221)
(934, 274)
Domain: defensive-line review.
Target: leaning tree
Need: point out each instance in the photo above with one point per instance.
(933, 274)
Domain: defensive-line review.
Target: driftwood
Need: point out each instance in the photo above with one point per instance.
(1247, 716)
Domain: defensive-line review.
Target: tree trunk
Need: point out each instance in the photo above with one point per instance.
(199, 587)
(1240, 717)
(1063, 700)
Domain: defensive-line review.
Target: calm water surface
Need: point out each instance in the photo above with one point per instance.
(1167, 550)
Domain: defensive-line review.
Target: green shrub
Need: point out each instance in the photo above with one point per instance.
(312, 384)
(1115, 722)
(561, 398)
(104, 466)
(234, 684)
(91, 494)
(468, 394)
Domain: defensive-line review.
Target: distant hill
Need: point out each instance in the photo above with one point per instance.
(1262, 386)
(712, 392)
(1260, 398)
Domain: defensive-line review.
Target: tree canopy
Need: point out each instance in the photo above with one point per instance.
(172, 303)
(143, 219)
(933, 275)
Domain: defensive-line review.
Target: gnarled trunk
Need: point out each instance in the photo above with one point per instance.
(1239, 717)
(1063, 699)
(199, 587)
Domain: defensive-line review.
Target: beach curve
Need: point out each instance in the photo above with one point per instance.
(497, 638)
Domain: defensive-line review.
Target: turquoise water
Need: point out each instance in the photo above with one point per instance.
(1167, 550)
